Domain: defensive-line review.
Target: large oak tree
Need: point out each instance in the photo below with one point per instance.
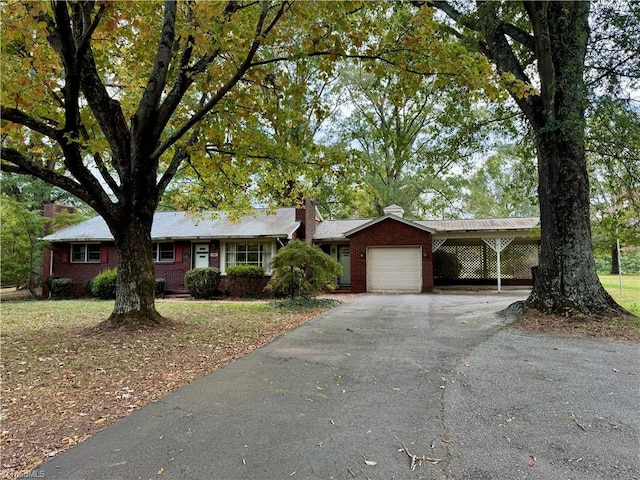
(107, 100)
(539, 49)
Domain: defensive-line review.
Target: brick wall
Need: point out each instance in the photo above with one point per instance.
(388, 232)
(173, 272)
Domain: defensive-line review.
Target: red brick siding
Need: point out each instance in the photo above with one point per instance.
(173, 272)
(389, 232)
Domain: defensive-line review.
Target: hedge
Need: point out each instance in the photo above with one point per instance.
(202, 282)
(245, 280)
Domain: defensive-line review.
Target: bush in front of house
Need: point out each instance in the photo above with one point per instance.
(103, 285)
(202, 282)
(244, 280)
(161, 286)
(61, 287)
(302, 270)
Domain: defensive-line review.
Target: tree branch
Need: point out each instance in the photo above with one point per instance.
(155, 86)
(19, 117)
(235, 78)
(19, 163)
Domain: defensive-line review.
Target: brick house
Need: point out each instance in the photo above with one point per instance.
(385, 254)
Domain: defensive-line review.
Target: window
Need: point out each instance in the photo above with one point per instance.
(163, 252)
(85, 252)
(241, 253)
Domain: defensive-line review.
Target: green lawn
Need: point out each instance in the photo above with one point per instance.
(630, 297)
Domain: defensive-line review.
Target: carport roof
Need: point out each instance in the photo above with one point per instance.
(481, 224)
(182, 226)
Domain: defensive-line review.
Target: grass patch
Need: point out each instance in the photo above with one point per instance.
(630, 296)
(75, 384)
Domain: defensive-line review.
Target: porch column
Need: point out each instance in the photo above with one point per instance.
(498, 245)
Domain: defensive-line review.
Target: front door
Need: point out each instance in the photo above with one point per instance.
(344, 257)
(200, 255)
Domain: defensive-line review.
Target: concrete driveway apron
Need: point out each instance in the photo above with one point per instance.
(336, 398)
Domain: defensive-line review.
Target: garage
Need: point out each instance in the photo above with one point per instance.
(394, 269)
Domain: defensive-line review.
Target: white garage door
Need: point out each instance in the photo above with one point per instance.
(394, 269)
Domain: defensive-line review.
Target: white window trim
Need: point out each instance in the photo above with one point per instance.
(223, 252)
(156, 253)
(86, 252)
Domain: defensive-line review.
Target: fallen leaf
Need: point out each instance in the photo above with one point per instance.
(370, 462)
(160, 471)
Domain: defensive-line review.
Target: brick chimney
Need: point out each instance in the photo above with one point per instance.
(309, 217)
(50, 210)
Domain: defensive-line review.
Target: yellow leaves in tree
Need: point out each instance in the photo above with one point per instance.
(517, 87)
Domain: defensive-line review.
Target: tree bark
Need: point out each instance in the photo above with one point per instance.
(615, 266)
(135, 285)
(567, 281)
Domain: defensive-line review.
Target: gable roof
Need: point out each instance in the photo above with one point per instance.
(388, 216)
(182, 226)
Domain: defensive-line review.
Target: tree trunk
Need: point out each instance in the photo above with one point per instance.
(135, 286)
(567, 282)
(615, 264)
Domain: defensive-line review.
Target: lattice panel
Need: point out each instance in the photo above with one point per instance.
(516, 260)
(473, 261)
(437, 243)
(497, 244)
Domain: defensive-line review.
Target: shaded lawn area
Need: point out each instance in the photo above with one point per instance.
(61, 385)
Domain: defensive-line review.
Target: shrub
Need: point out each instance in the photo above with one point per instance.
(202, 282)
(244, 280)
(161, 286)
(103, 285)
(300, 269)
(62, 287)
(49, 281)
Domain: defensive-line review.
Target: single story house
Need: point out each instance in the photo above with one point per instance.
(385, 254)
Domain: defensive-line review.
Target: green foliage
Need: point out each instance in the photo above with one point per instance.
(629, 261)
(244, 280)
(300, 269)
(20, 248)
(202, 282)
(613, 144)
(446, 265)
(161, 286)
(504, 184)
(50, 279)
(103, 285)
(296, 304)
(413, 134)
(62, 287)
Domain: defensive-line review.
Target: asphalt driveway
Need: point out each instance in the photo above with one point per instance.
(341, 396)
